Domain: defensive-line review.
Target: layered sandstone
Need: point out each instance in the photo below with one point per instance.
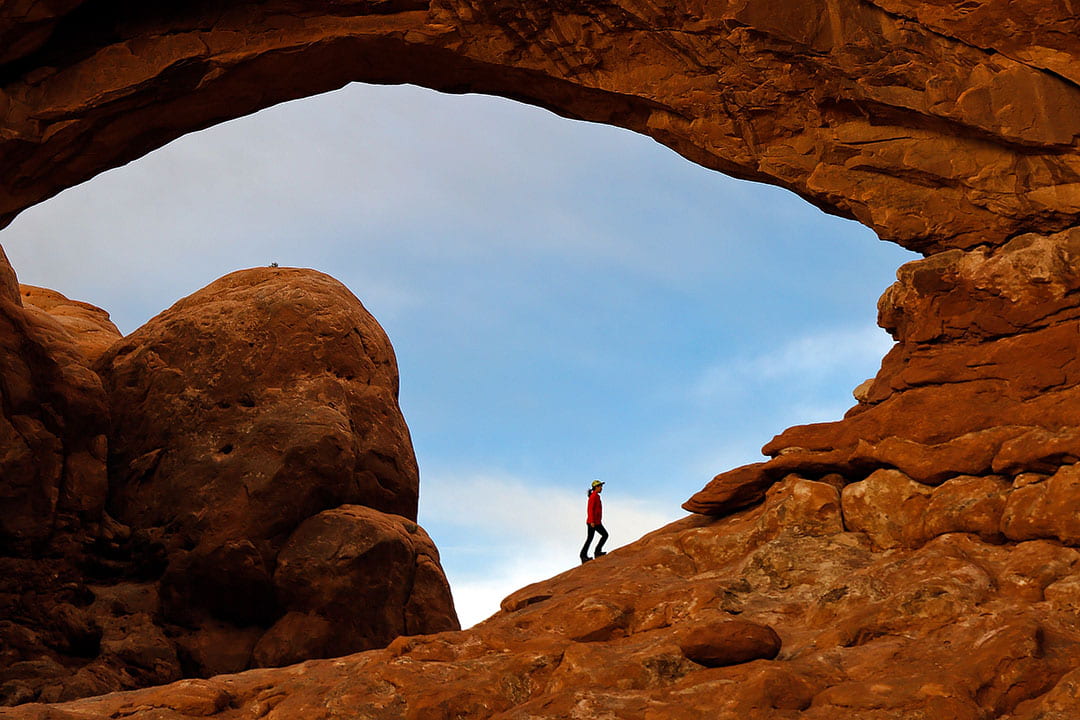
(939, 125)
(984, 379)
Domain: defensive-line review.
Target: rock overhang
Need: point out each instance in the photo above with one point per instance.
(898, 114)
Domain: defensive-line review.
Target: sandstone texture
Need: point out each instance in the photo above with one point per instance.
(90, 326)
(259, 401)
(778, 611)
(246, 497)
(53, 426)
(915, 560)
(938, 124)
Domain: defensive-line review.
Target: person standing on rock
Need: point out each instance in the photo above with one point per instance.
(593, 519)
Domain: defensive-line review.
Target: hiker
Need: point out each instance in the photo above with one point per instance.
(593, 522)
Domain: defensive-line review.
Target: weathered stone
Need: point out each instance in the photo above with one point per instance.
(89, 326)
(732, 490)
(1049, 509)
(799, 506)
(933, 141)
(948, 127)
(888, 506)
(1039, 449)
(53, 486)
(935, 631)
(729, 643)
(967, 504)
(283, 367)
(52, 430)
(253, 404)
(347, 578)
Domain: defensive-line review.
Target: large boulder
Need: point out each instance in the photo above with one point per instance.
(89, 325)
(242, 415)
(245, 416)
(244, 409)
(353, 578)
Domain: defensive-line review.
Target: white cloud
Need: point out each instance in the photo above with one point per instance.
(497, 532)
(808, 359)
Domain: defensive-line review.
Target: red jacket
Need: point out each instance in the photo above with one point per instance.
(596, 511)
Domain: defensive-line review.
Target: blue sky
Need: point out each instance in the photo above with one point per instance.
(567, 301)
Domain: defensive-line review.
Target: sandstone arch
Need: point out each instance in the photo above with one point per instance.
(938, 127)
(943, 128)
(928, 520)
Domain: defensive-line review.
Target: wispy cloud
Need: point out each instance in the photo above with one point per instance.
(497, 532)
(810, 359)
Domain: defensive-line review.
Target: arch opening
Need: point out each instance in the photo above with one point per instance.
(566, 300)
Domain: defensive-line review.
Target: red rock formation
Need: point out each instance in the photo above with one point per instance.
(917, 559)
(955, 628)
(242, 418)
(90, 326)
(253, 404)
(326, 572)
(984, 379)
(53, 420)
(52, 431)
(937, 125)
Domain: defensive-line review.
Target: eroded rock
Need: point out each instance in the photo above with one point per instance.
(347, 579)
(729, 643)
(237, 415)
(948, 127)
(946, 629)
(88, 325)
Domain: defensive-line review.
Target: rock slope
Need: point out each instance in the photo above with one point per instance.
(948, 626)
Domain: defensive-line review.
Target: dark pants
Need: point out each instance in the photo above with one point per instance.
(596, 529)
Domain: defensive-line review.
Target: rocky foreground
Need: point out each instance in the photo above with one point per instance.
(953, 626)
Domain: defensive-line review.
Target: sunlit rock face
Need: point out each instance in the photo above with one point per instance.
(984, 379)
(916, 559)
(90, 326)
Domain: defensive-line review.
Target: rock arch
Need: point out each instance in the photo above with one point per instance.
(942, 128)
(948, 128)
(936, 126)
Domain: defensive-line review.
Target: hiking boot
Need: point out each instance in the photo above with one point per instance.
(600, 553)
(585, 559)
